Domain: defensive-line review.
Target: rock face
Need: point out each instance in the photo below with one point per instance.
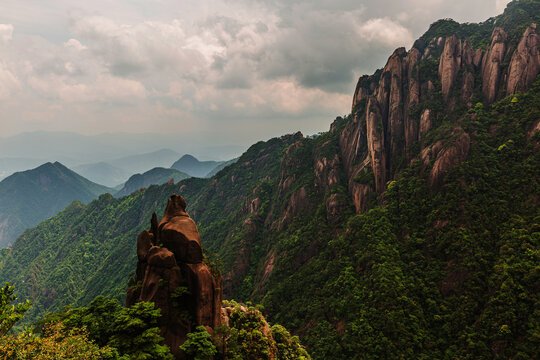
(525, 63)
(491, 65)
(395, 108)
(170, 273)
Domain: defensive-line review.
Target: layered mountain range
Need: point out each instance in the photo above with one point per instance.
(409, 230)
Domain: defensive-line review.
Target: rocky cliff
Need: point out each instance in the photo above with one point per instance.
(171, 273)
(394, 109)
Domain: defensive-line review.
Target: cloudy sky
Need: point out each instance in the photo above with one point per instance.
(216, 71)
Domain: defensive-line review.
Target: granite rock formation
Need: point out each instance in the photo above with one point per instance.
(394, 109)
(171, 273)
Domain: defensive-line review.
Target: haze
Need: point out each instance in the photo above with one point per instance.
(211, 73)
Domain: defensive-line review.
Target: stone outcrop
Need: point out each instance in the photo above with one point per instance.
(171, 273)
(525, 63)
(447, 158)
(393, 111)
(491, 64)
(449, 64)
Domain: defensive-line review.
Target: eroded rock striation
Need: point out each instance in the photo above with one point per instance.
(395, 109)
(171, 273)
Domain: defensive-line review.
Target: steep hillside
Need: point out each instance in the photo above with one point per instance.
(89, 250)
(410, 230)
(155, 176)
(190, 165)
(28, 197)
(220, 167)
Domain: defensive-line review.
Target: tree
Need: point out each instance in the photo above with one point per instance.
(10, 314)
(198, 345)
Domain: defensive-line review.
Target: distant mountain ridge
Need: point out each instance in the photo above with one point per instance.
(28, 197)
(115, 172)
(155, 176)
(73, 149)
(103, 173)
(409, 230)
(190, 165)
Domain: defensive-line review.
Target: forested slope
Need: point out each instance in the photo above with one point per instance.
(411, 229)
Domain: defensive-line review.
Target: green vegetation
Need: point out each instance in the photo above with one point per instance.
(10, 314)
(132, 331)
(107, 330)
(248, 336)
(190, 165)
(81, 253)
(447, 272)
(155, 176)
(516, 17)
(28, 197)
(199, 345)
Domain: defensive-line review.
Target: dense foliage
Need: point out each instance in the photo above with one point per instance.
(155, 176)
(516, 17)
(81, 253)
(131, 331)
(10, 313)
(445, 271)
(28, 197)
(247, 336)
(53, 344)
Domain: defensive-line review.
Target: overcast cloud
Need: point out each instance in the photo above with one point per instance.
(222, 71)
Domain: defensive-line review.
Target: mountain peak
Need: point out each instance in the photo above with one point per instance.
(188, 157)
(193, 167)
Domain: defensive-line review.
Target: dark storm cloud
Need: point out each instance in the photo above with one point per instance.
(243, 69)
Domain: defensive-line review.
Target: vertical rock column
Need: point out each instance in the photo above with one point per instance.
(171, 273)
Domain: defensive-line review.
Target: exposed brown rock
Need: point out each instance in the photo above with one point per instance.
(386, 126)
(170, 273)
(467, 88)
(525, 63)
(491, 64)
(412, 96)
(327, 172)
(425, 123)
(360, 194)
(449, 64)
(145, 240)
(365, 86)
(478, 55)
(298, 203)
(450, 157)
(375, 140)
(467, 53)
(335, 206)
(178, 232)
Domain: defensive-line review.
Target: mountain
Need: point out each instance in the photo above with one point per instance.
(155, 176)
(116, 171)
(13, 164)
(220, 167)
(103, 173)
(28, 197)
(411, 229)
(190, 165)
(143, 162)
(74, 149)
